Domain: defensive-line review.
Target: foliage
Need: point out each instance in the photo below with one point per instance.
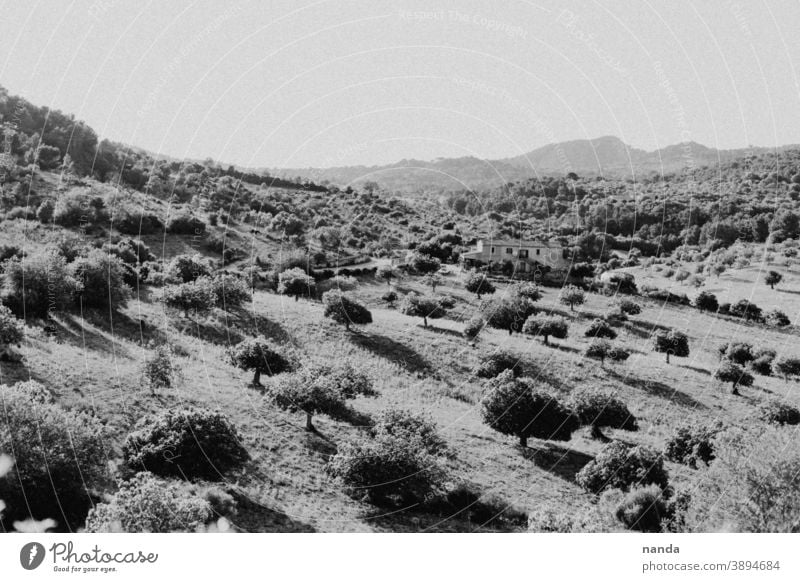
(473, 327)
(643, 509)
(185, 223)
(492, 364)
(296, 283)
(746, 310)
(671, 343)
(425, 307)
(345, 310)
(572, 296)
(600, 329)
(11, 328)
(197, 297)
(101, 280)
(230, 291)
(629, 307)
(386, 272)
(598, 409)
(408, 426)
(478, 283)
(260, 355)
(188, 443)
(735, 374)
(160, 370)
(148, 504)
(773, 278)
(777, 318)
(788, 367)
(778, 412)
(188, 268)
(622, 466)
(508, 313)
(691, 445)
(737, 352)
(545, 326)
(423, 264)
(38, 284)
(513, 406)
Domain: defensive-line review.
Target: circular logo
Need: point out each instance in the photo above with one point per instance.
(31, 555)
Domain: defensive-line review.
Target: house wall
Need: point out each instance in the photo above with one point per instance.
(552, 257)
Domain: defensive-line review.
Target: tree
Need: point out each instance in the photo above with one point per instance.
(601, 349)
(788, 367)
(629, 307)
(492, 364)
(423, 264)
(545, 326)
(386, 272)
(432, 280)
(598, 409)
(747, 310)
(623, 466)
(424, 307)
(38, 284)
(777, 318)
(160, 370)
(737, 352)
(773, 278)
(478, 283)
(572, 296)
(196, 297)
(342, 309)
(101, 277)
(735, 374)
(187, 268)
(296, 282)
(321, 389)
(600, 329)
(513, 406)
(508, 313)
(261, 356)
(706, 301)
(230, 291)
(671, 343)
(11, 332)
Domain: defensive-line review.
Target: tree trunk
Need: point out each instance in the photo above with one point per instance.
(310, 425)
(735, 389)
(296, 297)
(545, 341)
(596, 433)
(668, 357)
(572, 307)
(425, 321)
(257, 378)
(523, 441)
(510, 330)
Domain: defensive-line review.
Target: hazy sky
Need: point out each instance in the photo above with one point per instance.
(298, 83)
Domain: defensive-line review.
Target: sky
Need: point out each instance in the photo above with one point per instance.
(330, 83)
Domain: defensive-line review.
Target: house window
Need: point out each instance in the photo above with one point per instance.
(492, 250)
(523, 253)
(537, 251)
(509, 250)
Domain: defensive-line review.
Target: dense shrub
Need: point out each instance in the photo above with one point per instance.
(492, 364)
(411, 427)
(77, 208)
(188, 268)
(600, 329)
(738, 352)
(11, 330)
(778, 412)
(148, 504)
(508, 313)
(230, 291)
(321, 389)
(386, 272)
(746, 310)
(389, 297)
(599, 409)
(345, 310)
(788, 367)
(188, 443)
(671, 343)
(622, 466)
(259, 355)
(600, 349)
(691, 445)
(38, 284)
(296, 283)
(474, 327)
(643, 509)
(629, 307)
(423, 264)
(196, 298)
(129, 219)
(777, 318)
(478, 283)
(101, 280)
(546, 326)
(46, 210)
(513, 406)
(185, 223)
(59, 458)
(160, 371)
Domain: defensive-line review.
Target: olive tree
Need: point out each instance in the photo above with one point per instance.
(599, 409)
(735, 374)
(259, 355)
(773, 278)
(545, 326)
(478, 283)
(572, 296)
(344, 310)
(671, 343)
(296, 282)
(424, 307)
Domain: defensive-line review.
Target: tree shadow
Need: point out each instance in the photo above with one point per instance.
(695, 369)
(255, 323)
(391, 350)
(791, 291)
(444, 331)
(253, 517)
(658, 389)
(558, 460)
(643, 329)
(89, 332)
(563, 348)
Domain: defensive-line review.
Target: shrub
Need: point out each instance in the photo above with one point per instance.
(737, 352)
(11, 332)
(762, 365)
(260, 356)
(492, 364)
(600, 329)
(77, 208)
(389, 297)
(147, 504)
(672, 343)
(690, 445)
(46, 210)
(197, 297)
(59, 457)
(159, 369)
(37, 284)
(746, 310)
(185, 223)
(423, 264)
(478, 283)
(468, 502)
(230, 291)
(778, 412)
(512, 406)
(386, 272)
(295, 282)
(508, 313)
(599, 409)
(622, 466)
(386, 470)
(188, 443)
(545, 326)
(706, 301)
(321, 389)
(101, 280)
(129, 219)
(425, 307)
(188, 268)
(735, 374)
(629, 307)
(344, 310)
(777, 318)
(572, 296)
(410, 427)
(788, 367)
(643, 509)
(474, 327)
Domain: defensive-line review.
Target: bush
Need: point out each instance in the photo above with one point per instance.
(778, 318)
(11, 330)
(188, 268)
(38, 284)
(77, 208)
(545, 326)
(344, 310)
(778, 412)
(46, 210)
(762, 365)
(690, 445)
(132, 220)
(59, 457)
(389, 297)
(386, 272)
(746, 310)
(230, 291)
(150, 505)
(196, 298)
(321, 389)
(386, 470)
(296, 283)
(788, 367)
(259, 355)
(423, 264)
(189, 443)
(159, 369)
(508, 313)
(735, 374)
(469, 503)
(492, 364)
(629, 307)
(643, 509)
(512, 406)
(622, 466)
(185, 223)
(101, 280)
(474, 327)
(572, 296)
(410, 427)
(600, 329)
(599, 409)
(478, 283)
(670, 343)
(706, 301)
(425, 307)
(737, 352)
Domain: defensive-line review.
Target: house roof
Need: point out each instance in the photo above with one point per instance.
(522, 243)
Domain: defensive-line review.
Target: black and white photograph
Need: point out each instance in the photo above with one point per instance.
(411, 267)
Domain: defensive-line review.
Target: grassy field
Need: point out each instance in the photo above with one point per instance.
(91, 362)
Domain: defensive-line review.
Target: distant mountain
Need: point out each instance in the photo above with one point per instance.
(604, 156)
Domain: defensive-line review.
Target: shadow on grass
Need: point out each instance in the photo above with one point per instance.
(444, 331)
(94, 331)
(790, 291)
(696, 369)
(643, 329)
(391, 350)
(658, 389)
(558, 460)
(254, 517)
(563, 348)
